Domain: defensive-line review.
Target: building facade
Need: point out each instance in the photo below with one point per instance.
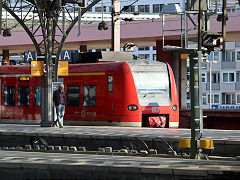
(225, 85)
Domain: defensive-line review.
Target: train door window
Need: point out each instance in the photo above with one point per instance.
(89, 96)
(9, 96)
(73, 96)
(37, 95)
(110, 83)
(23, 96)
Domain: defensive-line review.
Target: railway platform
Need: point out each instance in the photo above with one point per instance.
(35, 165)
(226, 142)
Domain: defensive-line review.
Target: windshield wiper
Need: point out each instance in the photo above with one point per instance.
(145, 95)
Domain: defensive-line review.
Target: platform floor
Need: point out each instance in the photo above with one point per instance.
(117, 132)
(23, 163)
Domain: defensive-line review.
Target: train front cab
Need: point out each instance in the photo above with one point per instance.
(156, 91)
(123, 97)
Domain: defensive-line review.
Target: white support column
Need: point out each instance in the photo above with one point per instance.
(116, 25)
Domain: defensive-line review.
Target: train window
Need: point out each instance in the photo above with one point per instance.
(73, 96)
(89, 96)
(9, 96)
(23, 96)
(37, 95)
(110, 83)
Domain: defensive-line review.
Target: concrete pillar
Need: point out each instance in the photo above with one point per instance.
(173, 59)
(175, 64)
(116, 25)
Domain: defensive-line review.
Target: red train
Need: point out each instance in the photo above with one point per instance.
(105, 93)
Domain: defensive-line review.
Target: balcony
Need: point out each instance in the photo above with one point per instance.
(228, 65)
(237, 86)
(228, 87)
(215, 86)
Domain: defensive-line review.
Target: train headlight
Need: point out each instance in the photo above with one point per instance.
(174, 107)
(132, 107)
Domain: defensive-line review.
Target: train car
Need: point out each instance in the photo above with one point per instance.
(128, 93)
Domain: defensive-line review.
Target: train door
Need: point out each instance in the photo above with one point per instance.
(110, 96)
(9, 97)
(73, 111)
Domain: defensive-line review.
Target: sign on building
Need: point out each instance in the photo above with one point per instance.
(37, 68)
(66, 56)
(29, 56)
(63, 68)
(225, 107)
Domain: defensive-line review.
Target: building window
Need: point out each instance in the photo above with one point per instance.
(9, 96)
(161, 6)
(215, 77)
(154, 48)
(147, 56)
(216, 56)
(37, 95)
(238, 77)
(99, 9)
(89, 96)
(237, 43)
(130, 9)
(23, 96)
(228, 77)
(144, 56)
(156, 8)
(90, 10)
(73, 95)
(154, 57)
(210, 57)
(203, 77)
(110, 83)
(141, 56)
(228, 98)
(146, 48)
(238, 98)
(143, 8)
(230, 56)
(238, 55)
(204, 99)
(231, 9)
(215, 99)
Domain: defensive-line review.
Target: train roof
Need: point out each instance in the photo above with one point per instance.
(145, 62)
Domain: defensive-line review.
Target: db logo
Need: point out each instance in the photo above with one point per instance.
(155, 109)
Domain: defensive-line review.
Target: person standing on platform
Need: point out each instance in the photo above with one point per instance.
(59, 102)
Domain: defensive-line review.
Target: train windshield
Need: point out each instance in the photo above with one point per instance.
(152, 87)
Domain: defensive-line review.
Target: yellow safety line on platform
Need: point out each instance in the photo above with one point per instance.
(86, 74)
